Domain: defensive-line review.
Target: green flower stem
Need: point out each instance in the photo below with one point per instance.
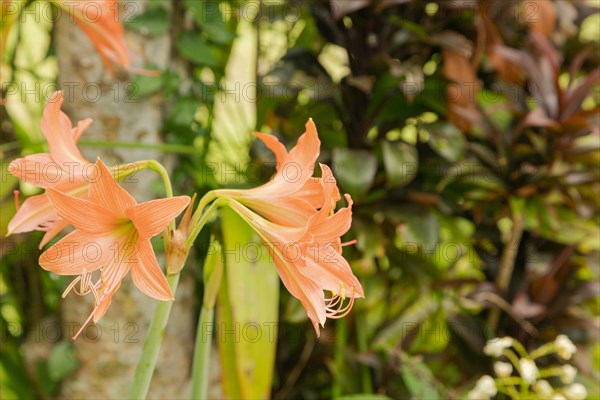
(340, 345)
(200, 369)
(520, 349)
(213, 273)
(164, 148)
(508, 390)
(547, 373)
(512, 357)
(162, 171)
(203, 218)
(542, 351)
(363, 346)
(145, 368)
(156, 332)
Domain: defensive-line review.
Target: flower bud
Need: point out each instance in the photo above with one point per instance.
(564, 347)
(178, 249)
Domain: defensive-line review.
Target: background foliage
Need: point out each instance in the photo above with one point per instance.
(466, 132)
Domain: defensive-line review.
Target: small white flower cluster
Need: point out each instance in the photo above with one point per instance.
(495, 347)
(485, 388)
(529, 371)
(524, 363)
(503, 369)
(564, 347)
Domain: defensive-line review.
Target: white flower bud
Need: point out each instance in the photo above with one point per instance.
(575, 391)
(568, 374)
(503, 369)
(564, 347)
(485, 387)
(529, 370)
(543, 388)
(495, 347)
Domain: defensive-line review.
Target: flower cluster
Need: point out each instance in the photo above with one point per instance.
(555, 382)
(112, 231)
(294, 215)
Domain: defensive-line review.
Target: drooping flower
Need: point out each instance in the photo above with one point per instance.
(308, 258)
(99, 20)
(292, 195)
(113, 236)
(64, 169)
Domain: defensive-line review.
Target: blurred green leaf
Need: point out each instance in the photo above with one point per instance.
(183, 115)
(418, 379)
(410, 319)
(253, 296)
(193, 47)
(62, 361)
(209, 18)
(14, 383)
(143, 85)
(355, 170)
(447, 140)
(154, 21)
(401, 162)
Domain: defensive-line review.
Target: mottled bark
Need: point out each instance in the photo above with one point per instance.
(107, 365)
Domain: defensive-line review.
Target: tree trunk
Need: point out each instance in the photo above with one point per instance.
(108, 354)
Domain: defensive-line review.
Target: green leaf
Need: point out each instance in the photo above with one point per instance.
(422, 227)
(62, 361)
(446, 140)
(183, 115)
(145, 85)
(253, 300)
(209, 18)
(14, 383)
(410, 319)
(154, 21)
(419, 380)
(364, 396)
(192, 47)
(355, 170)
(401, 162)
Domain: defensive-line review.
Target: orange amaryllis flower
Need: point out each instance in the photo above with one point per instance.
(99, 19)
(63, 169)
(112, 235)
(292, 195)
(308, 258)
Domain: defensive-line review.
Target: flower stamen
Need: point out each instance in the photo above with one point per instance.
(334, 306)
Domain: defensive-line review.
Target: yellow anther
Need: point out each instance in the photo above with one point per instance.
(342, 291)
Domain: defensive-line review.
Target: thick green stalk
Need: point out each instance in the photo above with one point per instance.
(200, 369)
(363, 346)
(213, 273)
(340, 345)
(156, 332)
